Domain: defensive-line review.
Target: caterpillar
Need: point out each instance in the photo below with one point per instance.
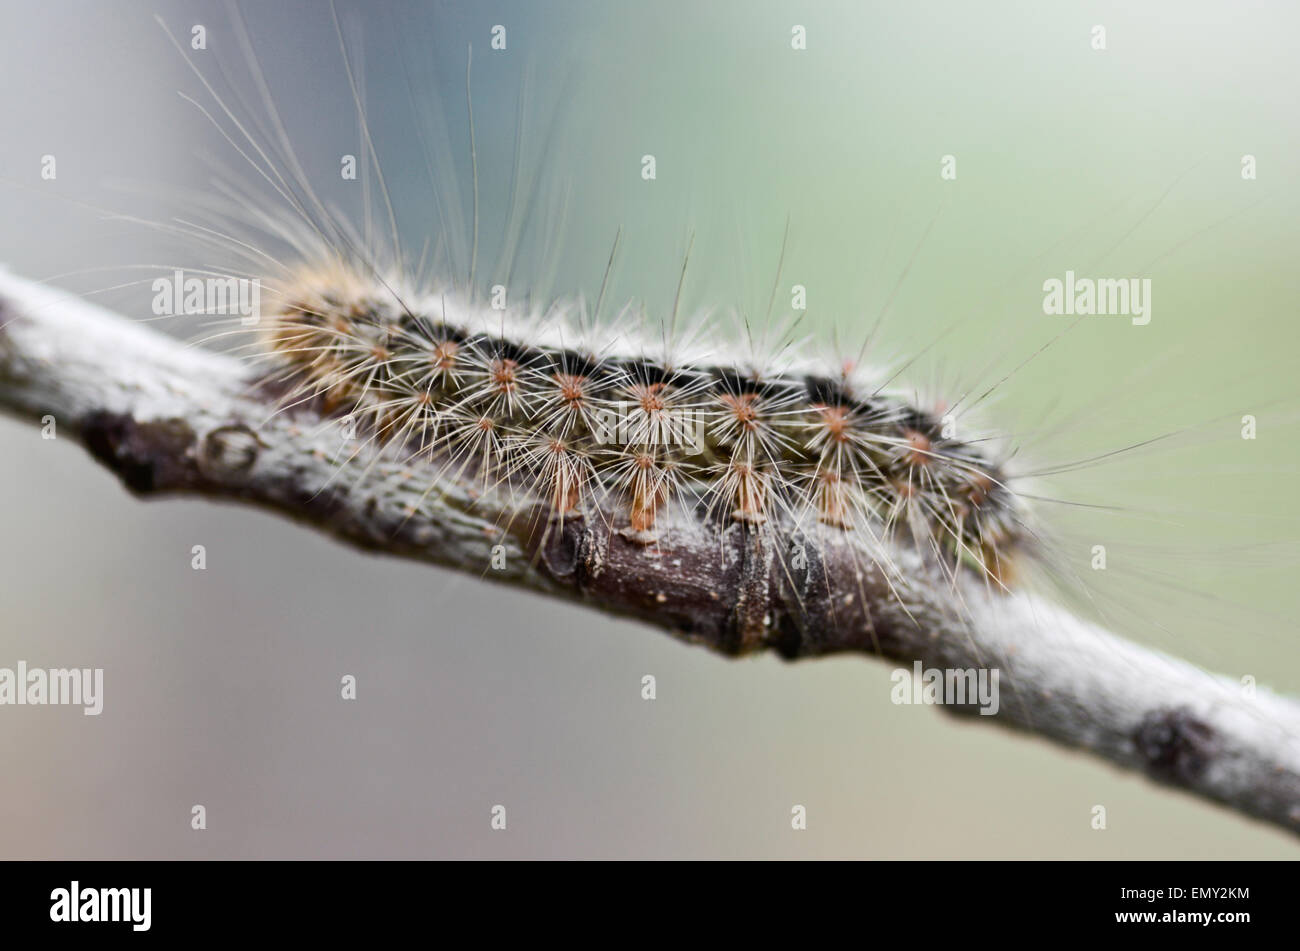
(585, 418)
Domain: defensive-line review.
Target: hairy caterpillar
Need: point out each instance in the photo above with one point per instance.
(567, 420)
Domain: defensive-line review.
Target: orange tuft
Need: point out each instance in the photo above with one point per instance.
(919, 448)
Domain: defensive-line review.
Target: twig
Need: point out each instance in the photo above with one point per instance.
(168, 418)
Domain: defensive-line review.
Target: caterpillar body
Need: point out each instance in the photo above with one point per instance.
(587, 419)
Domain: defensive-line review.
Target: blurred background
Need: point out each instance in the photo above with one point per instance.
(222, 685)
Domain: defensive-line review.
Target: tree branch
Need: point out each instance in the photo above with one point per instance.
(168, 418)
